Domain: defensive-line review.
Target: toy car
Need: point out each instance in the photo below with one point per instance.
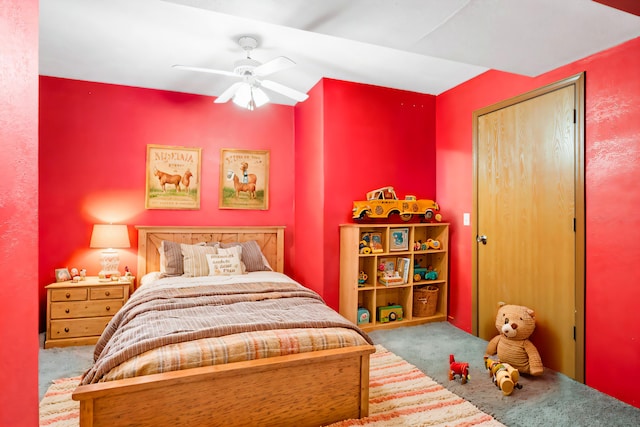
(424, 274)
(383, 202)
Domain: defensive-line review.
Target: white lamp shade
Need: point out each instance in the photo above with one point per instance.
(110, 236)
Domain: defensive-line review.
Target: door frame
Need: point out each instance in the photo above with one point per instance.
(578, 81)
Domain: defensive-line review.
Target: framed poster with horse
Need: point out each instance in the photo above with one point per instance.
(244, 179)
(173, 177)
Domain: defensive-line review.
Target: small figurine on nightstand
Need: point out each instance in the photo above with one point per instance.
(83, 274)
(127, 273)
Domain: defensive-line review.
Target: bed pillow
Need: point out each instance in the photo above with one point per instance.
(252, 256)
(195, 259)
(224, 264)
(170, 259)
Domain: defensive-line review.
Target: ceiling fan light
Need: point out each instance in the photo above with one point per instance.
(242, 96)
(250, 97)
(260, 97)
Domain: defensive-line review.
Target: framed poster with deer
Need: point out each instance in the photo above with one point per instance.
(173, 177)
(244, 179)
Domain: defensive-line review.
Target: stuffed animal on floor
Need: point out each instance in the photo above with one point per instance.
(515, 324)
(504, 376)
(458, 368)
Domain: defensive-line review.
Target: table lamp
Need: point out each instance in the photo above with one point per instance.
(109, 237)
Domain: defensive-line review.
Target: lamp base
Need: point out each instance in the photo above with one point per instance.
(109, 260)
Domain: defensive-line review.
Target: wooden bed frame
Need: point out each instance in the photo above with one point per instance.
(307, 389)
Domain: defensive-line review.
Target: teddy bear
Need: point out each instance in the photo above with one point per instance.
(515, 324)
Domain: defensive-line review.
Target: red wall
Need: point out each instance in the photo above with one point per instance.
(612, 153)
(353, 139)
(309, 178)
(93, 140)
(19, 213)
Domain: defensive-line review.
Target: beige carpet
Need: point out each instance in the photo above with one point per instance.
(399, 395)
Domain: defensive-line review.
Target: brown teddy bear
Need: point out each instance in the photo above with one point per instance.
(516, 323)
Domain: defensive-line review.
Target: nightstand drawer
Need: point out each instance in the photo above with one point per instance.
(73, 328)
(111, 292)
(71, 310)
(69, 294)
(77, 313)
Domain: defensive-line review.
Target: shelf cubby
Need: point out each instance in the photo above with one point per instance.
(425, 245)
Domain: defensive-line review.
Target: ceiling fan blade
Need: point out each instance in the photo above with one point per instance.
(228, 93)
(284, 90)
(205, 70)
(277, 64)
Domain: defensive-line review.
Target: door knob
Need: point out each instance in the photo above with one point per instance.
(482, 239)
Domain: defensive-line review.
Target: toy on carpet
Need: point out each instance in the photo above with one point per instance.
(504, 376)
(516, 323)
(458, 368)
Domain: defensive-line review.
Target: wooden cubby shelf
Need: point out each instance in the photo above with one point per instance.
(394, 242)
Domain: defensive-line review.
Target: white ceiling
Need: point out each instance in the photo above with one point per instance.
(425, 46)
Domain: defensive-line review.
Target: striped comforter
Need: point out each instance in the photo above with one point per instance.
(173, 324)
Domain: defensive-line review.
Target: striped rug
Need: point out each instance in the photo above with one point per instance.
(399, 395)
(57, 409)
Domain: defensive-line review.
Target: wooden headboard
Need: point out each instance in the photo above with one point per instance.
(269, 238)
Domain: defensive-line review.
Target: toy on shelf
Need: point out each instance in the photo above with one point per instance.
(516, 323)
(433, 244)
(390, 313)
(388, 274)
(429, 244)
(428, 273)
(362, 278)
(365, 244)
(504, 376)
(383, 202)
(431, 274)
(460, 369)
(420, 246)
(363, 316)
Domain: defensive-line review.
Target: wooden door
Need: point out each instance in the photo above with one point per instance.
(528, 186)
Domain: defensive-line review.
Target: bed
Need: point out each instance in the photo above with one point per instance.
(311, 388)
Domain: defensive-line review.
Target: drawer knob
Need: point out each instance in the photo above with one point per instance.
(107, 293)
(68, 295)
(108, 308)
(67, 311)
(66, 329)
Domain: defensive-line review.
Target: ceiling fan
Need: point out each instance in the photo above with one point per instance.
(248, 93)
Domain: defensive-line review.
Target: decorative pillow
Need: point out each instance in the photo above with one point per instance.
(224, 265)
(252, 256)
(234, 250)
(170, 259)
(195, 259)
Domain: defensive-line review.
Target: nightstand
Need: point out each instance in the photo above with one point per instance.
(78, 312)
